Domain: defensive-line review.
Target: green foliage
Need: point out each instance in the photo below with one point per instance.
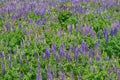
(112, 47)
(33, 16)
(66, 18)
(13, 39)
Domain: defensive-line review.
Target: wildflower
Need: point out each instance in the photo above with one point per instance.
(98, 56)
(38, 76)
(91, 53)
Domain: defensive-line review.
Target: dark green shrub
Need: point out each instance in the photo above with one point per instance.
(66, 18)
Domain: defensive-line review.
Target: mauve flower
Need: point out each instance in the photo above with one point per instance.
(67, 56)
(49, 75)
(61, 50)
(76, 54)
(62, 76)
(84, 47)
(3, 66)
(54, 49)
(98, 56)
(38, 76)
(105, 34)
(114, 31)
(47, 52)
(92, 32)
(7, 27)
(1, 54)
(96, 45)
(91, 53)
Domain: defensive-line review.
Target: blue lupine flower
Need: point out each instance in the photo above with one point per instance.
(49, 75)
(38, 76)
(61, 50)
(47, 52)
(67, 56)
(84, 47)
(91, 53)
(98, 56)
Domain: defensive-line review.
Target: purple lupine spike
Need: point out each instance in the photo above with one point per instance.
(92, 32)
(49, 75)
(62, 76)
(67, 56)
(96, 45)
(98, 56)
(7, 27)
(47, 52)
(84, 47)
(3, 66)
(23, 55)
(91, 53)
(85, 30)
(1, 54)
(54, 49)
(61, 50)
(105, 34)
(57, 57)
(114, 31)
(38, 76)
(76, 54)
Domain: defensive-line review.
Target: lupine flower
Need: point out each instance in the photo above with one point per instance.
(49, 75)
(98, 56)
(62, 76)
(114, 31)
(84, 47)
(76, 54)
(3, 66)
(96, 45)
(54, 49)
(67, 56)
(38, 76)
(105, 34)
(61, 50)
(47, 52)
(91, 53)
(7, 27)
(92, 32)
